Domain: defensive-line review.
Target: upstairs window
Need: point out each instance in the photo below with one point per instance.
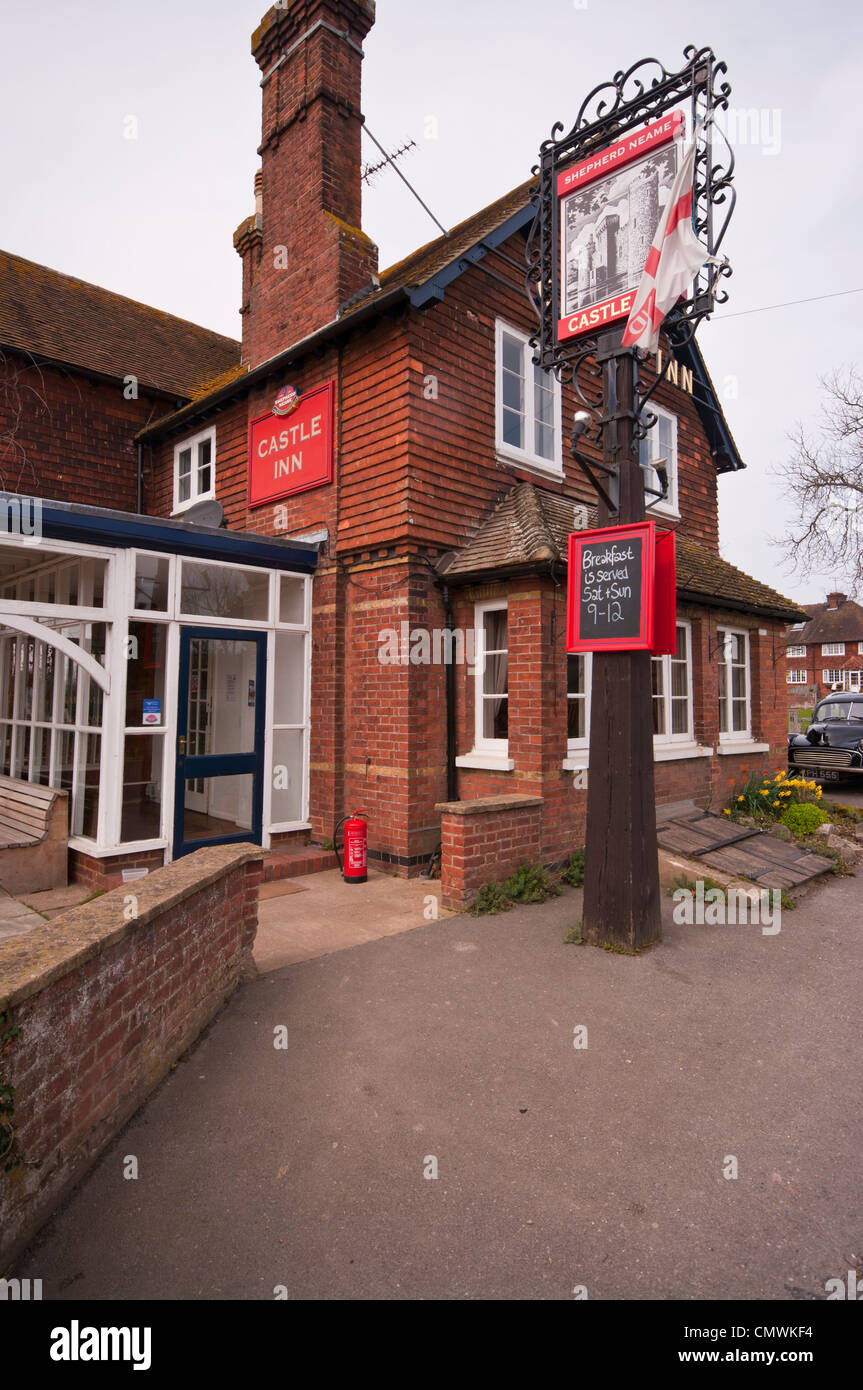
(659, 450)
(833, 649)
(795, 651)
(527, 408)
(195, 470)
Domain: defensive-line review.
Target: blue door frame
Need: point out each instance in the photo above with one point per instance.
(219, 764)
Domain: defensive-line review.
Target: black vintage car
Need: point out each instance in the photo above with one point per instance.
(832, 747)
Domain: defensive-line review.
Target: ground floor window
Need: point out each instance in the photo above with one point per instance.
(733, 659)
(578, 679)
(796, 678)
(672, 691)
(492, 678)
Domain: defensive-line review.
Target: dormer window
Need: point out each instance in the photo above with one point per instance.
(195, 469)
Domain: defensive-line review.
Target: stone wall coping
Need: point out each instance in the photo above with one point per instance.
(486, 805)
(34, 960)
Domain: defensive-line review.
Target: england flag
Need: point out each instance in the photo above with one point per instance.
(672, 262)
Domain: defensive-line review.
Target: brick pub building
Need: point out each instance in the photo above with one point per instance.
(265, 595)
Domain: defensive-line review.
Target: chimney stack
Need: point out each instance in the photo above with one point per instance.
(836, 600)
(304, 252)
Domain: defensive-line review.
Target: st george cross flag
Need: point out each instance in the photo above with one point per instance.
(672, 261)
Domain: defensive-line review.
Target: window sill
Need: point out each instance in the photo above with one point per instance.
(747, 746)
(182, 507)
(576, 761)
(538, 466)
(488, 761)
(668, 752)
(662, 753)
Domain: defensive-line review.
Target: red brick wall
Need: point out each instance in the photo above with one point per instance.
(105, 1005)
(65, 437)
(484, 841)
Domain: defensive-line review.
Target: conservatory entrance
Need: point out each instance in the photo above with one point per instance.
(160, 677)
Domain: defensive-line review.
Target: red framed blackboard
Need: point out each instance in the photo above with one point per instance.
(621, 590)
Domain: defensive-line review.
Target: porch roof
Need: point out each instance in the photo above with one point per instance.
(71, 522)
(529, 527)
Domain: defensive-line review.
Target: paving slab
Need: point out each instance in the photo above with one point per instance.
(16, 917)
(334, 915)
(449, 1049)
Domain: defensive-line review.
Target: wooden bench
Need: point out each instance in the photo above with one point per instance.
(34, 830)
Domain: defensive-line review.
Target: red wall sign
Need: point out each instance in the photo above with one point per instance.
(292, 453)
(621, 590)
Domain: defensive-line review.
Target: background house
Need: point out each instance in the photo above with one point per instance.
(825, 652)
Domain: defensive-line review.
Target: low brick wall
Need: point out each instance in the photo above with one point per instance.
(482, 841)
(107, 996)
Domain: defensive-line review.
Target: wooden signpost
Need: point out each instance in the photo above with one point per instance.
(602, 187)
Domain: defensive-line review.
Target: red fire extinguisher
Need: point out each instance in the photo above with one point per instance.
(355, 867)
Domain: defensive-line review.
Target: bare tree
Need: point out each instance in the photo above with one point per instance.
(824, 479)
(18, 392)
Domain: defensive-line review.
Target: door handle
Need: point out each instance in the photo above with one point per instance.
(181, 746)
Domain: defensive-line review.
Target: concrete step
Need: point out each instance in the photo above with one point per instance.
(290, 863)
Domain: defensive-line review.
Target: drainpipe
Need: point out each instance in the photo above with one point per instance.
(140, 478)
(450, 700)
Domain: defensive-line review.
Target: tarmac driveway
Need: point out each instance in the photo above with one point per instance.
(557, 1166)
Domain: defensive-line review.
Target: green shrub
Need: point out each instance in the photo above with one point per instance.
(531, 883)
(803, 818)
(573, 872)
(490, 899)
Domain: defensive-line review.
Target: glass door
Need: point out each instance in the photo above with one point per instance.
(220, 738)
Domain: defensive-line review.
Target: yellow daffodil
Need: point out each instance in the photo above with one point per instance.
(726, 812)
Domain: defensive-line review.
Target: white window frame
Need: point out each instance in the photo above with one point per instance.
(736, 735)
(797, 678)
(833, 649)
(795, 651)
(832, 675)
(195, 495)
(688, 736)
(528, 458)
(574, 746)
(492, 753)
(668, 506)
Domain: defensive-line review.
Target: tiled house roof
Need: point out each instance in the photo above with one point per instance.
(842, 624)
(529, 528)
(57, 317)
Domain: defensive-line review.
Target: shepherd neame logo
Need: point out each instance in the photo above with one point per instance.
(77, 1343)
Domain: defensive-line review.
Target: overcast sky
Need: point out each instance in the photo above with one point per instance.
(153, 217)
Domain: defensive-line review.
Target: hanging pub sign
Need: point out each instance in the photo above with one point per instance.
(609, 209)
(291, 454)
(621, 590)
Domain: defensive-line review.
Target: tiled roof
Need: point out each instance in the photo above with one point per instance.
(842, 624)
(55, 316)
(530, 527)
(423, 264)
